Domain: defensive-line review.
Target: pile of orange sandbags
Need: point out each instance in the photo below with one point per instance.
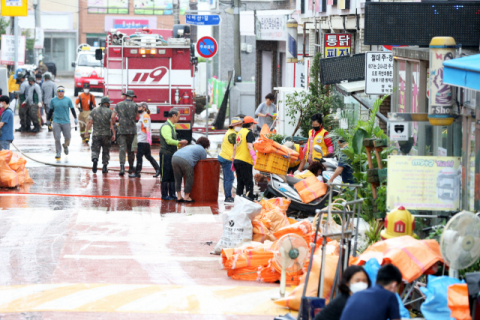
(272, 218)
(266, 145)
(12, 170)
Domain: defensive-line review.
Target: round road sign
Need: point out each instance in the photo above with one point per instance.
(207, 47)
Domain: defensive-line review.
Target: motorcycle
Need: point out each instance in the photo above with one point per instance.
(283, 186)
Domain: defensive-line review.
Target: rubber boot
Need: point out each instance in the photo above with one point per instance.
(95, 164)
(104, 169)
(137, 172)
(36, 128)
(131, 167)
(171, 190)
(21, 129)
(165, 195)
(122, 170)
(156, 167)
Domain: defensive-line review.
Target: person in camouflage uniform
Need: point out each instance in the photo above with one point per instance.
(102, 133)
(127, 120)
(23, 110)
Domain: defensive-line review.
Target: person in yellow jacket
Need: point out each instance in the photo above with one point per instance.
(226, 157)
(300, 163)
(317, 136)
(13, 84)
(244, 157)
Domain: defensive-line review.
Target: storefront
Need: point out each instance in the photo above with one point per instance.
(458, 141)
(60, 47)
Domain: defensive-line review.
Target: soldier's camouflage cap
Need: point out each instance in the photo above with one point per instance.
(104, 100)
(129, 93)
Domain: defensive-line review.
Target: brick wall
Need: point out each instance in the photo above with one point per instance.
(95, 23)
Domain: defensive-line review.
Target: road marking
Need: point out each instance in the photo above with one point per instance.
(131, 298)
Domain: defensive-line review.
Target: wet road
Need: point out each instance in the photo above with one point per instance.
(78, 245)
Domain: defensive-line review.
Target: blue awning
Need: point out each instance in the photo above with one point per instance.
(463, 72)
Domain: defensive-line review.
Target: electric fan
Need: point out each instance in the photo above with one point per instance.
(290, 253)
(460, 242)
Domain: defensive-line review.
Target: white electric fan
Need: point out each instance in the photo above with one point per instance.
(460, 242)
(290, 253)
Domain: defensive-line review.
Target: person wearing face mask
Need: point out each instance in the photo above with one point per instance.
(144, 141)
(87, 101)
(34, 103)
(354, 279)
(226, 155)
(317, 136)
(378, 302)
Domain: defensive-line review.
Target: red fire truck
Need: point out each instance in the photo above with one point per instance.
(159, 65)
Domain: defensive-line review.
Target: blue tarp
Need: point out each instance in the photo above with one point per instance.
(463, 72)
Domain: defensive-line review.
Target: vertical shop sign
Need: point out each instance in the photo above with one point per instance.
(378, 73)
(337, 45)
(7, 55)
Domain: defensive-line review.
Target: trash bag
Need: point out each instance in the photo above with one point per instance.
(16, 162)
(292, 301)
(435, 306)
(8, 177)
(457, 296)
(237, 224)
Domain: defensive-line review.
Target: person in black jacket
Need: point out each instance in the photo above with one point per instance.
(354, 279)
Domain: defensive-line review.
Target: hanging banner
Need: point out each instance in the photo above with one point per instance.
(378, 73)
(14, 8)
(39, 38)
(7, 54)
(337, 45)
(424, 183)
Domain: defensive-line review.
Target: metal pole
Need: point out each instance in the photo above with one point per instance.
(15, 33)
(236, 38)
(176, 11)
(206, 95)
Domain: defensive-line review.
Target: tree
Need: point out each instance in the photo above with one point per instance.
(319, 98)
(4, 22)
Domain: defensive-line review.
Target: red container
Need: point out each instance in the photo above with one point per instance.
(206, 181)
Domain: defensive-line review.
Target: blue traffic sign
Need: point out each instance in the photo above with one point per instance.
(203, 20)
(207, 47)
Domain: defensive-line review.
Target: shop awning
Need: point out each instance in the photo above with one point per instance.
(346, 88)
(463, 72)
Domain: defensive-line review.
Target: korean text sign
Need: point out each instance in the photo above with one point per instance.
(379, 73)
(337, 44)
(7, 55)
(14, 8)
(424, 183)
(272, 27)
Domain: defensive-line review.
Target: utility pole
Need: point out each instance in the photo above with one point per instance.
(237, 63)
(17, 43)
(38, 23)
(176, 12)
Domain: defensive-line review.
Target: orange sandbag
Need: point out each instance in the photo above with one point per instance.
(16, 162)
(457, 295)
(8, 177)
(412, 257)
(310, 189)
(261, 232)
(266, 145)
(268, 274)
(256, 255)
(277, 218)
(302, 228)
(6, 155)
(331, 260)
(281, 203)
(247, 274)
